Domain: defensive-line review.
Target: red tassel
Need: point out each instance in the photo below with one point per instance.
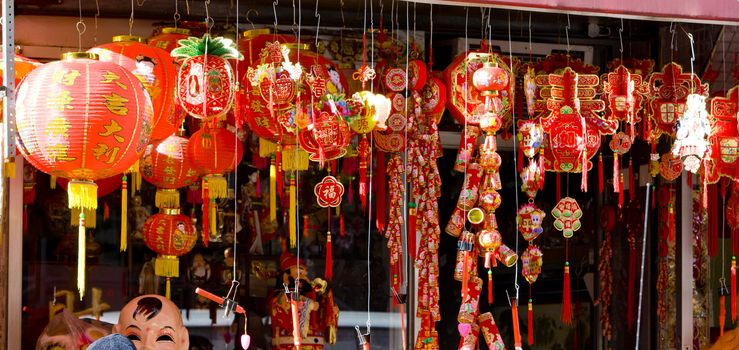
(350, 195)
(363, 150)
(278, 171)
(567, 297)
(412, 230)
(621, 192)
(519, 161)
(329, 258)
(106, 211)
(559, 188)
(306, 227)
(632, 181)
(632, 283)
(490, 288)
(542, 170)
(380, 192)
(516, 325)
(721, 314)
(584, 172)
(295, 312)
(616, 174)
(206, 213)
(600, 173)
(733, 289)
(530, 337)
(341, 225)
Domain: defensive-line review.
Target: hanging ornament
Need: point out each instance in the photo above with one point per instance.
(670, 167)
(567, 216)
(625, 93)
(693, 129)
(82, 126)
(434, 95)
(205, 81)
(169, 234)
(532, 262)
(724, 137)
(529, 86)
(669, 90)
(328, 195)
(529, 220)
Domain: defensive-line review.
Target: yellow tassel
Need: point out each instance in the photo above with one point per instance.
(218, 186)
(213, 217)
(266, 148)
(293, 207)
(135, 178)
(272, 191)
(338, 210)
(168, 290)
(10, 169)
(167, 198)
(292, 161)
(124, 213)
(52, 183)
(167, 266)
(82, 194)
(81, 256)
(90, 217)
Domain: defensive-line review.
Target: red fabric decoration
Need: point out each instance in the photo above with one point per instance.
(155, 69)
(167, 165)
(566, 297)
(329, 271)
(380, 179)
(724, 139)
(669, 90)
(363, 154)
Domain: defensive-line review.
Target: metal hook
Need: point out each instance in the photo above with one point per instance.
(567, 33)
(620, 38)
(672, 39)
(248, 19)
(274, 9)
(318, 23)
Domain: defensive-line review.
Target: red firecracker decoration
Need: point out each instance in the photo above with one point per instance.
(85, 120)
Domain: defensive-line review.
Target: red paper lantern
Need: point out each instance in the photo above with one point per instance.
(168, 37)
(167, 166)
(205, 87)
(170, 235)
(215, 151)
(155, 69)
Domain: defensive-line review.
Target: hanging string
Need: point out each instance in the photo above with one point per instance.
(621, 40)
(371, 181)
(236, 168)
(97, 14)
(431, 37)
(567, 34)
(130, 19)
(81, 28)
(407, 254)
(297, 150)
(515, 148)
(531, 49)
(274, 10)
(643, 255)
(208, 19)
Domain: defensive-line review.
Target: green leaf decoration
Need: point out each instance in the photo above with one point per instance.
(207, 45)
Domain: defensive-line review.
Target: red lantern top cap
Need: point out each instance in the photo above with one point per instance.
(251, 33)
(128, 38)
(80, 55)
(173, 30)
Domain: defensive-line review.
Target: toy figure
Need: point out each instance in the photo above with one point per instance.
(153, 322)
(317, 312)
(148, 280)
(140, 214)
(199, 271)
(226, 273)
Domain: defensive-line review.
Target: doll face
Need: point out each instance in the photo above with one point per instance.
(153, 322)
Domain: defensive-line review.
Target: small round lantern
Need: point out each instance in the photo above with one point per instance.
(171, 235)
(85, 120)
(155, 69)
(167, 166)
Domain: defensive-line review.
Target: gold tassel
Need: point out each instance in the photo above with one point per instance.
(52, 183)
(293, 207)
(166, 198)
(168, 290)
(82, 194)
(218, 186)
(272, 191)
(213, 217)
(90, 217)
(81, 256)
(291, 161)
(124, 213)
(135, 178)
(266, 148)
(167, 266)
(10, 168)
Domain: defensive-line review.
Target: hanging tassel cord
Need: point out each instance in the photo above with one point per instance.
(124, 214)
(490, 287)
(514, 320)
(643, 261)
(329, 273)
(530, 319)
(206, 213)
(566, 289)
(81, 256)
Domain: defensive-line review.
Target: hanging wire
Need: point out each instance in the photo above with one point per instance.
(406, 256)
(297, 154)
(97, 14)
(130, 19)
(176, 15)
(318, 21)
(248, 19)
(431, 36)
(81, 28)
(274, 10)
(531, 48)
(643, 255)
(567, 33)
(208, 19)
(723, 58)
(371, 173)
(236, 168)
(692, 60)
(515, 146)
(466, 98)
(621, 40)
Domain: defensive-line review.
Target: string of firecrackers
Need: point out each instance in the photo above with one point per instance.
(605, 271)
(395, 214)
(666, 260)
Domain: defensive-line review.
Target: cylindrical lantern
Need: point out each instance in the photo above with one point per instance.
(168, 37)
(171, 235)
(155, 69)
(167, 166)
(82, 119)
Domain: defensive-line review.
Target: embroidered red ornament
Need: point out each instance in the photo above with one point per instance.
(329, 192)
(668, 93)
(724, 138)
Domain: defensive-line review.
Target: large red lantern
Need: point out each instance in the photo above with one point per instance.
(171, 235)
(155, 69)
(82, 119)
(168, 37)
(205, 87)
(167, 166)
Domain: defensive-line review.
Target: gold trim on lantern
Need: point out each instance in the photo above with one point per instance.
(252, 33)
(128, 38)
(173, 30)
(82, 194)
(80, 55)
(167, 266)
(170, 211)
(218, 186)
(297, 46)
